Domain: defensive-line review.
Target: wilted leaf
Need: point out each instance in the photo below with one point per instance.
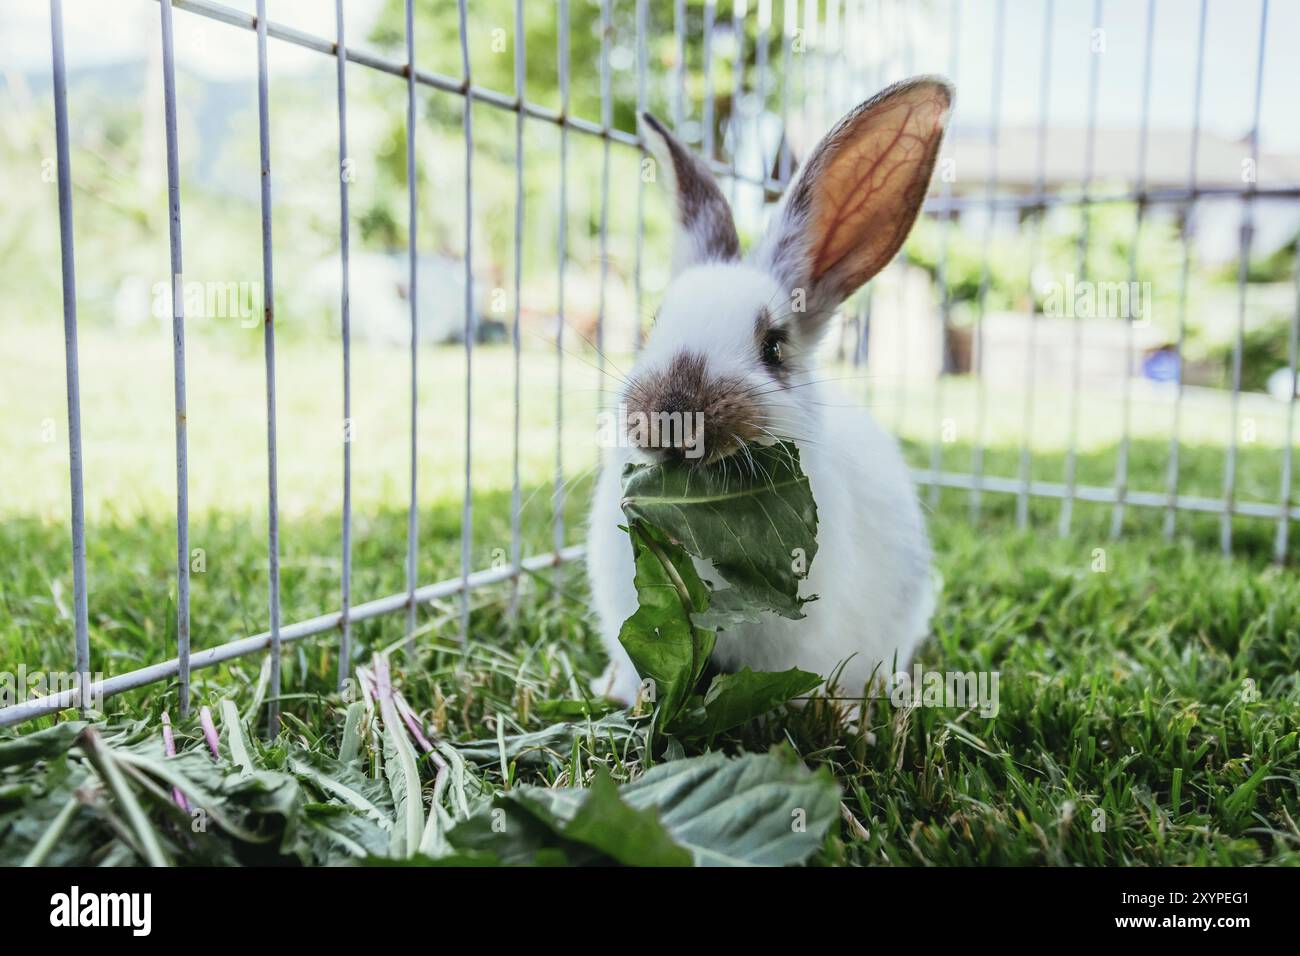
(551, 745)
(41, 743)
(404, 782)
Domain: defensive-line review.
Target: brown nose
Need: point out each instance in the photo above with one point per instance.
(672, 434)
(681, 412)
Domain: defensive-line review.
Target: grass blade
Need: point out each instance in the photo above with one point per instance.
(36, 856)
(230, 722)
(103, 760)
(351, 745)
(400, 766)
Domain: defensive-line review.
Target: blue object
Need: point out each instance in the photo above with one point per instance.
(1161, 365)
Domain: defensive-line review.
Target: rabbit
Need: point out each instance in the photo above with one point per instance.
(736, 340)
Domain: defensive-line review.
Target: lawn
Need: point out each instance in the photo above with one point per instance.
(1149, 704)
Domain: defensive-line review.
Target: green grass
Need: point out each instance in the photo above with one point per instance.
(1161, 692)
(1149, 713)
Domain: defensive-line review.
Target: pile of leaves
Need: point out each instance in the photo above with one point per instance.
(384, 787)
(79, 793)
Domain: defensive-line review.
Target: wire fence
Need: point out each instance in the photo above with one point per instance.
(847, 49)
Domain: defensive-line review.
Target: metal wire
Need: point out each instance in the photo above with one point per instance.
(345, 580)
(562, 256)
(1076, 351)
(260, 643)
(268, 341)
(467, 504)
(516, 340)
(738, 11)
(178, 367)
(642, 104)
(72, 375)
(710, 17)
(606, 119)
(1121, 459)
(1293, 345)
(1035, 247)
(981, 297)
(412, 513)
(1175, 426)
(941, 270)
(1243, 270)
(679, 70)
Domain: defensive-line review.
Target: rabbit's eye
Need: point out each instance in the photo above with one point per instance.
(771, 351)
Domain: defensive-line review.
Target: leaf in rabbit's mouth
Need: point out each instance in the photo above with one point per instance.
(757, 525)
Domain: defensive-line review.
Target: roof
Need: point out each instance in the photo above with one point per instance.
(1114, 157)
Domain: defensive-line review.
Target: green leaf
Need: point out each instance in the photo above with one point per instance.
(514, 831)
(572, 709)
(632, 837)
(664, 643)
(758, 809)
(41, 743)
(102, 759)
(403, 781)
(177, 771)
(727, 609)
(734, 699)
(551, 746)
(340, 836)
(341, 781)
(756, 526)
(278, 800)
(351, 744)
(54, 833)
(234, 733)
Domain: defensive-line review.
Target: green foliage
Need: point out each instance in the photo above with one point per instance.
(297, 803)
(758, 809)
(1158, 699)
(665, 644)
(733, 699)
(962, 254)
(756, 524)
(1264, 350)
(757, 528)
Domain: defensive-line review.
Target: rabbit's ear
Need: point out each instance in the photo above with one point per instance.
(855, 199)
(706, 232)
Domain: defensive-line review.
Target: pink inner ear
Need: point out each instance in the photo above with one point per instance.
(874, 182)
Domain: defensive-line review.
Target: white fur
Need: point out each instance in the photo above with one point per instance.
(872, 568)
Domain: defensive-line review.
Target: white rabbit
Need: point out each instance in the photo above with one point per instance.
(735, 339)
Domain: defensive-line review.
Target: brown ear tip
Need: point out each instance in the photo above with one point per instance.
(941, 87)
(943, 94)
(649, 120)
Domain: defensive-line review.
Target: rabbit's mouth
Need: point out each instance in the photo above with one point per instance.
(684, 414)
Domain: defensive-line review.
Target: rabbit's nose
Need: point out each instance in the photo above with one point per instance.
(684, 411)
(669, 434)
